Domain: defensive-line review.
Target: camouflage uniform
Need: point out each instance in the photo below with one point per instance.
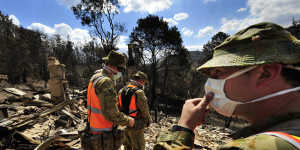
(134, 137)
(57, 82)
(106, 92)
(289, 123)
(258, 44)
(245, 139)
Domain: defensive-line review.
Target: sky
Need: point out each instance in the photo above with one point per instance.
(197, 20)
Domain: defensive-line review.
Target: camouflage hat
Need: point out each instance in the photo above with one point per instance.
(261, 43)
(116, 59)
(140, 76)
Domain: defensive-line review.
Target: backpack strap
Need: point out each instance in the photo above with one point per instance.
(126, 95)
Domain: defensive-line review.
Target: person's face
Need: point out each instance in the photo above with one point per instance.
(142, 82)
(115, 69)
(257, 83)
(240, 88)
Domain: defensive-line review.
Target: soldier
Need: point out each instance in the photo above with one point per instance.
(103, 114)
(57, 82)
(132, 101)
(253, 75)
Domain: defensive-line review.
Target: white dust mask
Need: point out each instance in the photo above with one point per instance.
(224, 105)
(221, 103)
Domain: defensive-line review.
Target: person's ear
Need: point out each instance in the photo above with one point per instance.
(267, 74)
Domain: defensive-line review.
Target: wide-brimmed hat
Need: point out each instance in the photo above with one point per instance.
(116, 59)
(261, 43)
(140, 76)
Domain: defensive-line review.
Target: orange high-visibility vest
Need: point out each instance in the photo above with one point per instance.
(96, 119)
(132, 106)
(294, 140)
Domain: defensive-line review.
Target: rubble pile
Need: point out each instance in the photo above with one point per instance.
(30, 120)
(207, 136)
(151, 132)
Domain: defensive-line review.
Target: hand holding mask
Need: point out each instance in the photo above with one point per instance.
(194, 111)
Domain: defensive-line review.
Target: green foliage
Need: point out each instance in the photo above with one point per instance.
(92, 58)
(194, 81)
(99, 14)
(89, 11)
(22, 52)
(159, 50)
(80, 62)
(155, 39)
(150, 34)
(67, 54)
(173, 71)
(93, 53)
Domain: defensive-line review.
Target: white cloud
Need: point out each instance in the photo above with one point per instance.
(171, 21)
(277, 11)
(14, 20)
(41, 28)
(68, 3)
(237, 24)
(187, 32)
(206, 1)
(149, 6)
(180, 16)
(122, 43)
(241, 9)
(78, 36)
(194, 47)
(207, 31)
(176, 17)
(63, 29)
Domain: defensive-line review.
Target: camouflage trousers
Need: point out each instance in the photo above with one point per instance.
(105, 141)
(134, 139)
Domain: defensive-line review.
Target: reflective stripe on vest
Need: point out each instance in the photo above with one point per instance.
(294, 140)
(100, 129)
(97, 121)
(132, 106)
(94, 110)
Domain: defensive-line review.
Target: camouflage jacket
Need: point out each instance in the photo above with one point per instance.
(106, 92)
(248, 138)
(143, 118)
